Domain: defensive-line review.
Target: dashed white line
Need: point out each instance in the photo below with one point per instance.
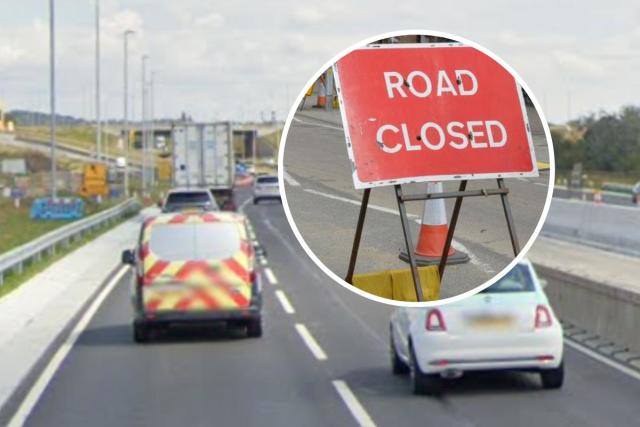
(353, 404)
(290, 180)
(284, 302)
(263, 261)
(270, 276)
(600, 358)
(311, 342)
(49, 371)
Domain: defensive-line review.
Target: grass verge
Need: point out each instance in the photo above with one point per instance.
(13, 280)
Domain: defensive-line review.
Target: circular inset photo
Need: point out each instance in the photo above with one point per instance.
(416, 168)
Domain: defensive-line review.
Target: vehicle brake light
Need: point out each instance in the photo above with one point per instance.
(435, 321)
(544, 358)
(543, 317)
(253, 276)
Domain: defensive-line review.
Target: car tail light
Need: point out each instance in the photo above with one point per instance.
(543, 317)
(435, 321)
(544, 358)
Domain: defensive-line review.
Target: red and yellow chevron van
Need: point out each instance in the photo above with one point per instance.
(195, 268)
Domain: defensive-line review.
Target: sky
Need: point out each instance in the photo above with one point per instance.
(239, 60)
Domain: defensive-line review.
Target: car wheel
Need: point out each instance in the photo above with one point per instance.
(398, 367)
(552, 378)
(254, 328)
(140, 332)
(255, 201)
(421, 383)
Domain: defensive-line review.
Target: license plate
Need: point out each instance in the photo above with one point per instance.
(492, 322)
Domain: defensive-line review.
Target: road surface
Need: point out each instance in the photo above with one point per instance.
(323, 364)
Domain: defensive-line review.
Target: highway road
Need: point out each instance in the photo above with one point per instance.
(322, 361)
(325, 206)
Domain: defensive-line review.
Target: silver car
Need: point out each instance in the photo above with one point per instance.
(266, 187)
(181, 199)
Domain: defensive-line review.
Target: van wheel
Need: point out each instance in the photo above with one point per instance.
(398, 367)
(254, 328)
(140, 332)
(430, 384)
(552, 378)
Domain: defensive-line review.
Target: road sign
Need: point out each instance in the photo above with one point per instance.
(431, 112)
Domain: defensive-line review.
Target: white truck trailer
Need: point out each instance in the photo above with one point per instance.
(203, 158)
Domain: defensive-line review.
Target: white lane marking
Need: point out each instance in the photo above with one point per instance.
(290, 180)
(542, 184)
(457, 245)
(49, 371)
(284, 302)
(263, 261)
(322, 125)
(600, 358)
(353, 404)
(244, 205)
(311, 342)
(270, 276)
(357, 202)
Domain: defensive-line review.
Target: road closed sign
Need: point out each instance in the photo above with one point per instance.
(414, 113)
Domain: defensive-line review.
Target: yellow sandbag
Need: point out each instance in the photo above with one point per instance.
(398, 284)
(404, 289)
(378, 283)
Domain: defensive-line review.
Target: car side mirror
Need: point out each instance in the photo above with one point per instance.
(159, 203)
(128, 258)
(259, 249)
(543, 283)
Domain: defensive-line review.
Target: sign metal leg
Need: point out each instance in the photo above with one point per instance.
(407, 238)
(358, 236)
(510, 224)
(452, 228)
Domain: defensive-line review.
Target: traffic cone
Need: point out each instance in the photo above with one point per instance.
(321, 99)
(433, 233)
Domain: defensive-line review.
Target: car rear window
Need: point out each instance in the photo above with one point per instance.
(189, 198)
(517, 280)
(194, 242)
(268, 180)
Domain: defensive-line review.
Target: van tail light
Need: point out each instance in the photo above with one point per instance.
(543, 317)
(435, 321)
(253, 276)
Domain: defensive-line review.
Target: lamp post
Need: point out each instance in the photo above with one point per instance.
(98, 119)
(52, 97)
(127, 33)
(144, 125)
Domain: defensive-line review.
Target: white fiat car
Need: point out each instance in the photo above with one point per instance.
(508, 326)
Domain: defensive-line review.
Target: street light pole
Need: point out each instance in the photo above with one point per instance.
(127, 33)
(98, 119)
(52, 97)
(152, 160)
(143, 124)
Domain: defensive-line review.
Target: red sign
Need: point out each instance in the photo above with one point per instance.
(416, 113)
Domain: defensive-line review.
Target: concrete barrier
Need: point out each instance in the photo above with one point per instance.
(610, 312)
(610, 226)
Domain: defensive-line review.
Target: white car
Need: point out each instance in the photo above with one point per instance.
(265, 187)
(184, 199)
(508, 326)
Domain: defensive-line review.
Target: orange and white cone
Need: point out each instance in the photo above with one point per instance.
(433, 233)
(321, 100)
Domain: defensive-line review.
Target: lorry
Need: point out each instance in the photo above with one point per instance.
(203, 158)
